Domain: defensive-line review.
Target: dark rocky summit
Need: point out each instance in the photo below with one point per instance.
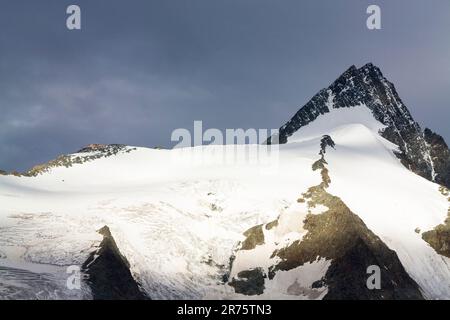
(423, 152)
(108, 271)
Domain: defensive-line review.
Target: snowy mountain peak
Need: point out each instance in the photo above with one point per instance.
(338, 204)
(355, 87)
(367, 87)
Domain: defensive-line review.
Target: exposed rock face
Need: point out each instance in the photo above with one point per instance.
(440, 154)
(109, 272)
(255, 236)
(439, 237)
(249, 282)
(422, 152)
(324, 143)
(346, 278)
(105, 148)
(339, 235)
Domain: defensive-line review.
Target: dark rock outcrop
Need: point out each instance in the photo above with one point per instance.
(108, 272)
(341, 236)
(421, 151)
(440, 155)
(439, 237)
(249, 282)
(104, 148)
(347, 275)
(254, 237)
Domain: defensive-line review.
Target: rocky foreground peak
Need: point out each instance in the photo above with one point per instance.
(423, 152)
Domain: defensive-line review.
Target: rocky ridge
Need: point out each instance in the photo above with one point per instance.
(89, 153)
(423, 152)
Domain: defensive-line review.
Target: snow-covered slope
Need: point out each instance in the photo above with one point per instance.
(168, 217)
(391, 200)
(180, 217)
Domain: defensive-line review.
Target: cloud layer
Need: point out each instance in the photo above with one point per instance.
(139, 69)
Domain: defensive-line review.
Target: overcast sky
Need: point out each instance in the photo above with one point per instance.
(140, 69)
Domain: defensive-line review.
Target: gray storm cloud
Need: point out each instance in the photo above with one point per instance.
(140, 69)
